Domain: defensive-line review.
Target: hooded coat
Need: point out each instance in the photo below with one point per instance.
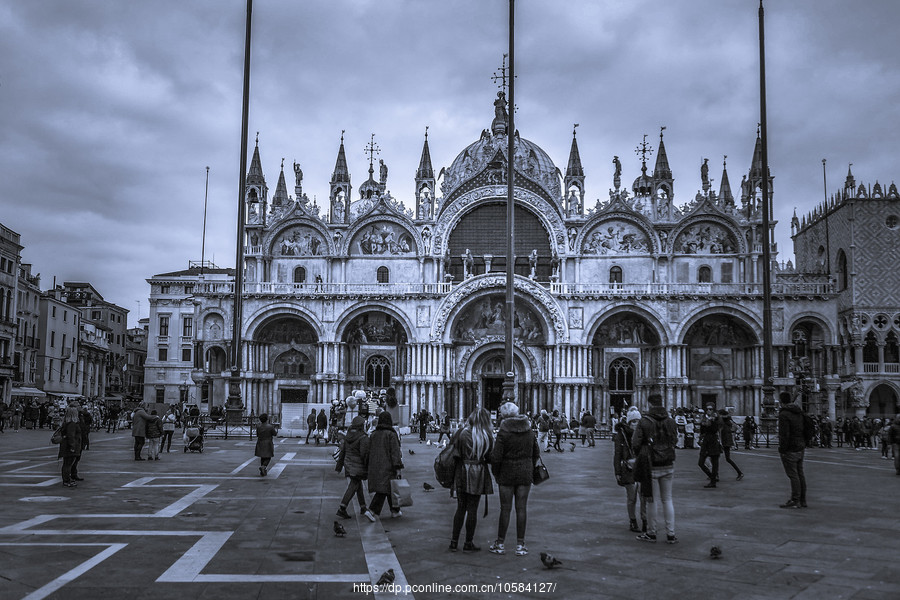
(385, 459)
(354, 454)
(790, 429)
(515, 452)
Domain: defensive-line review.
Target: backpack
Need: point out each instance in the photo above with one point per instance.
(445, 464)
(662, 450)
(809, 429)
(543, 424)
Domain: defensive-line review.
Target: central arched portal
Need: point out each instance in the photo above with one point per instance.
(625, 360)
(287, 346)
(376, 351)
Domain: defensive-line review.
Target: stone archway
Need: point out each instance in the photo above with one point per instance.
(284, 345)
(884, 402)
(720, 362)
(375, 343)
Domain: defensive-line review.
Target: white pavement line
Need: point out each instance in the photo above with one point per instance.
(73, 574)
(9, 463)
(189, 565)
(237, 470)
(278, 468)
(45, 483)
(379, 555)
(880, 467)
(23, 525)
(32, 466)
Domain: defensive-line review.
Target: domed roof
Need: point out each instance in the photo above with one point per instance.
(530, 161)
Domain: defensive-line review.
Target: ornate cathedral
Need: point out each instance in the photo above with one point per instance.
(634, 295)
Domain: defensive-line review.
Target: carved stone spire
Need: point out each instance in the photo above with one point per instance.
(725, 194)
(425, 184)
(574, 179)
(255, 174)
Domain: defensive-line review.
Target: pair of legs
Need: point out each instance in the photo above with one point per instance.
(309, 431)
(354, 487)
(153, 448)
(138, 447)
(264, 464)
(793, 468)
(443, 433)
(544, 440)
(166, 441)
(377, 503)
(727, 451)
(633, 491)
(714, 459)
(663, 478)
(508, 494)
(70, 469)
(589, 436)
(466, 510)
(556, 445)
(895, 448)
(423, 431)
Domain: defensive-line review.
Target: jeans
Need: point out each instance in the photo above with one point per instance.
(138, 446)
(714, 474)
(727, 451)
(466, 509)
(377, 503)
(544, 440)
(662, 494)
(70, 468)
(153, 447)
(793, 468)
(354, 487)
(507, 494)
(633, 490)
(166, 441)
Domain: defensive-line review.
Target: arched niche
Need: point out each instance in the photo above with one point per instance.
(382, 238)
(706, 237)
(486, 316)
(615, 237)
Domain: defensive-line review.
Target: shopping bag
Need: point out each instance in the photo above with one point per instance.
(401, 492)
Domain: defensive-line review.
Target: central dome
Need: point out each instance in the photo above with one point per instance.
(530, 161)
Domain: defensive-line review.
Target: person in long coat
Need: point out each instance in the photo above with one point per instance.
(513, 457)
(385, 462)
(265, 447)
(474, 443)
(622, 452)
(710, 446)
(353, 459)
(139, 430)
(70, 447)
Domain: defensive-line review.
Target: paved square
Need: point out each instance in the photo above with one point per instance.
(208, 526)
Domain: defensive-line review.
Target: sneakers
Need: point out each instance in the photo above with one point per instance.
(70, 484)
(497, 548)
(453, 546)
(803, 504)
(262, 471)
(633, 526)
(369, 515)
(521, 550)
(671, 539)
(396, 514)
(740, 476)
(790, 504)
(342, 513)
(470, 547)
(646, 537)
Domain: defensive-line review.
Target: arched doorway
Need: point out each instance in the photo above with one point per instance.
(376, 350)
(625, 360)
(291, 343)
(883, 402)
(720, 349)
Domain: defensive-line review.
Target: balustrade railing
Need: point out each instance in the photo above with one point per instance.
(677, 289)
(327, 289)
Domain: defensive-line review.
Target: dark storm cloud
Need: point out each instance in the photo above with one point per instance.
(112, 110)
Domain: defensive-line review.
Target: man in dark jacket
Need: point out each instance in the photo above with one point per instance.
(894, 441)
(657, 429)
(710, 447)
(791, 445)
(321, 425)
(353, 459)
(310, 424)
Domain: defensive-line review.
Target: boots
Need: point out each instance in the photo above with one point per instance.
(633, 526)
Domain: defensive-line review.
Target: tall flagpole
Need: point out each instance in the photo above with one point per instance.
(235, 406)
(768, 387)
(509, 383)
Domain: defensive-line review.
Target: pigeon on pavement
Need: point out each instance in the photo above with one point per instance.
(339, 530)
(550, 561)
(715, 552)
(386, 578)
(428, 487)
(411, 451)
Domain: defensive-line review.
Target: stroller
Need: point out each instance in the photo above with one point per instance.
(193, 439)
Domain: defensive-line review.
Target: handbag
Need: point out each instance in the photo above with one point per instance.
(57, 436)
(540, 473)
(401, 493)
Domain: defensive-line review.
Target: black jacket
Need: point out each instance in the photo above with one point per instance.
(646, 428)
(515, 452)
(790, 429)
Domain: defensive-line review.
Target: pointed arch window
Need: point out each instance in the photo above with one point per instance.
(300, 275)
(383, 275)
(378, 372)
(621, 376)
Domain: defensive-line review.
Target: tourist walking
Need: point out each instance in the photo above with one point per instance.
(385, 463)
(86, 421)
(139, 430)
(353, 459)
(726, 435)
(474, 444)
(586, 428)
(791, 446)
(513, 458)
(624, 460)
(710, 447)
(112, 419)
(265, 445)
(654, 442)
(556, 426)
(168, 429)
(894, 439)
(310, 424)
(154, 435)
(543, 427)
(423, 425)
(884, 434)
(749, 431)
(321, 427)
(445, 427)
(70, 447)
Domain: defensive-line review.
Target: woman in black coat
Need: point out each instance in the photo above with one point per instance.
(473, 477)
(265, 447)
(385, 462)
(515, 453)
(70, 447)
(353, 459)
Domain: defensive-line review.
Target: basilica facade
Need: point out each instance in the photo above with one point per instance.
(633, 295)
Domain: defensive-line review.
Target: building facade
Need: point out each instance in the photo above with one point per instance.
(28, 300)
(135, 357)
(10, 252)
(633, 295)
(59, 328)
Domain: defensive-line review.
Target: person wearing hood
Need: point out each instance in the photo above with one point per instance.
(654, 438)
(624, 461)
(791, 446)
(385, 462)
(513, 458)
(353, 459)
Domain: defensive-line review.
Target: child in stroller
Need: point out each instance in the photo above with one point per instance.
(193, 438)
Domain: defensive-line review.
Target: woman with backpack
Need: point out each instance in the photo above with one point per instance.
(353, 459)
(654, 442)
(473, 478)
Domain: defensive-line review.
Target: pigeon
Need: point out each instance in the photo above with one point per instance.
(715, 552)
(550, 561)
(572, 449)
(428, 487)
(339, 530)
(386, 578)
(411, 451)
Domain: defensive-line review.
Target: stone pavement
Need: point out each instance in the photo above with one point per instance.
(208, 526)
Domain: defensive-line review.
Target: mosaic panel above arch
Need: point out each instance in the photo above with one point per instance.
(299, 240)
(486, 316)
(382, 238)
(705, 237)
(720, 330)
(616, 237)
(626, 329)
(375, 327)
(286, 330)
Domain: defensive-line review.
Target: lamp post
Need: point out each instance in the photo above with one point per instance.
(509, 382)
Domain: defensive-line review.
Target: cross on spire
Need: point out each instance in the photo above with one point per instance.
(642, 150)
(372, 149)
(501, 77)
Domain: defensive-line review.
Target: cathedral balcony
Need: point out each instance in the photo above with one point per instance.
(367, 290)
(666, 290)
(253, 250)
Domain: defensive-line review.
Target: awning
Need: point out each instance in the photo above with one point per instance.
(28, 391)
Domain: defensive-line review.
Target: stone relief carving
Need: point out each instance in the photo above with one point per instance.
(705, 238)
(625, 330)
(300, 241)
(616, 237)
(382, 238)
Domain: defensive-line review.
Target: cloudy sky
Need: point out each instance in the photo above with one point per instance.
(112, 110)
